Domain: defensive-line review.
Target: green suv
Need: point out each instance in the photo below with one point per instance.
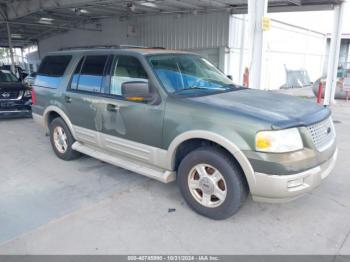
(173, 115)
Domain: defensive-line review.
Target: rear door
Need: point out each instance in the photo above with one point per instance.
(84, 95)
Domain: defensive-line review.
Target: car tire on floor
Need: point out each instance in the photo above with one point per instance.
(212, 183)
(62, 140)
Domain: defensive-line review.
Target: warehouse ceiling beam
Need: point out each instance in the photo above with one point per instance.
(287, 8)
(51, 26)
(296, 2)
(19, 9)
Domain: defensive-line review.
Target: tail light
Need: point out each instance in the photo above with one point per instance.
(33, 96)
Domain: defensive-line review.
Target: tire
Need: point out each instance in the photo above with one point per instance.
(232, 181)
(64, 151)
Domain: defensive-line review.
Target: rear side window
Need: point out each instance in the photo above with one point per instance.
(54, 65)
(51, 71)
(91, 73)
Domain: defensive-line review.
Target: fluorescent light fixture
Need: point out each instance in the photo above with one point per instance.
(16, 35)
(79, 11)
(149, 4)
(84, 11)
(46, 20)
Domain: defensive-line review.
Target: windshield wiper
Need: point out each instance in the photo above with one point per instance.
(222, 88)
(230, 86)
(190, 88)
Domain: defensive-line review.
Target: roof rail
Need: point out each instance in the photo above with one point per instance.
(108, 47)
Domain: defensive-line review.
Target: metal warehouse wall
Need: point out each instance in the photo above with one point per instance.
(113, 31)
(174, 31)
(286, 46)
(296, 48)
(186, 31)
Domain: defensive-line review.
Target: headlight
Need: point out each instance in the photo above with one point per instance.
(28, 93)
(279, 141)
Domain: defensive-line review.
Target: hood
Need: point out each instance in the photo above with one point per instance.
(12, 86)
(281, 111)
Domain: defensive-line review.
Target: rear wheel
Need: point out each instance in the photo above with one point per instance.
(212, 183)
(62, 140)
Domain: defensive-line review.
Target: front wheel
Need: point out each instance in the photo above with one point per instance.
(212, 183)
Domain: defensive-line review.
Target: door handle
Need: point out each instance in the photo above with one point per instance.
(112, 108)
(68, 99)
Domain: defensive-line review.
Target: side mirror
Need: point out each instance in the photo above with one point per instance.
(136, 91)
(229, 77)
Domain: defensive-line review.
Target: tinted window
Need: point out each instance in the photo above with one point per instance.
(7, 77)
(91, 74)
(54, 65)
(75, 77)
(126, 69)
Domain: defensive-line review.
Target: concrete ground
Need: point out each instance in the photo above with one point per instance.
(48, 206)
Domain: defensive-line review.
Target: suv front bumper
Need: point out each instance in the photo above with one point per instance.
(277, 188)
(13, 113)
(17, 108)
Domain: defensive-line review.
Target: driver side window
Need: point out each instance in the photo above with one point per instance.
(126, 69)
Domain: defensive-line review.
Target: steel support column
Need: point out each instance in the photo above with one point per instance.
(13, 69)
(333, 58)
(257, 9)
(241, 50)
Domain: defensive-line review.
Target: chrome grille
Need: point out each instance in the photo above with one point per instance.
(5, 95)
(322, 134)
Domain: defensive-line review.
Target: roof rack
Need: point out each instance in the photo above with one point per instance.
(108, 47)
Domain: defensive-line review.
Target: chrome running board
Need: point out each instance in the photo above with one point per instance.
(164, 176)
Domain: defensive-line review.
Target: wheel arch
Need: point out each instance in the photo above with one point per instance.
(54, 110)
(216, 139)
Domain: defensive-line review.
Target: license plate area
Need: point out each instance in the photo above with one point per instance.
(7, 104)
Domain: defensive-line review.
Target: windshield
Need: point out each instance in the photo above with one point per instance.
(7, 77)
(185, 74)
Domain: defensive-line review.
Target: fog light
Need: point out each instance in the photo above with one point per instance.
(295, 182)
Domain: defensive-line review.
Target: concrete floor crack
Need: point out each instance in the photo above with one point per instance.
(343, 242)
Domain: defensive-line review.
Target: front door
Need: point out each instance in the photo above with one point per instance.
(130, 127)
